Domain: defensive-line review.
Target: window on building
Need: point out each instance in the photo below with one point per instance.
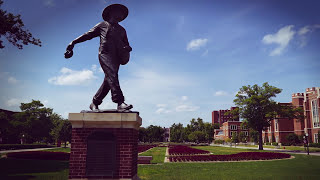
(232, 132)
(277, 139)
(233, 127)
(276, 125)
(315, 113)
(316, 138)
(246, 133)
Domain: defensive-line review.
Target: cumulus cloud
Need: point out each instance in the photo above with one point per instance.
(186, 108)
(72, 77)
(281, 38)
(221, 93)
(12, 80)
(196, 44)
(184, 98)
(13, 102)
(94, 67)
(304, 30)
(162, 109)
(49, 3)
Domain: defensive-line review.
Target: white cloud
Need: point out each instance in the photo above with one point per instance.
(94, 67)
(221, 93)
(304, 30)
(184, 98)
(185, 108)
(71, 77)
(282, 38)
(49, 3)
(196, 44)
(162, 111)
(12, 80)
(101, 70)
(14, 102)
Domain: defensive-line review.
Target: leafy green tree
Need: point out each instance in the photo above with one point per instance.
(143, 137)
(242, 137)
(62, 129)
(216, 126)
(235, 138)
(208, 131)
(155, 133)
(177, 132)
(12, 27)
(4, 126)
(197, 136)
(34, 122)
(254, 135)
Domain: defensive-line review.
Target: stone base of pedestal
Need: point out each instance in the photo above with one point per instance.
(104, 146)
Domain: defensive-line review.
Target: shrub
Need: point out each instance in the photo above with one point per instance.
(228, 140)
(23, 146)
(218, 141)
(267, 143)
(293, 139)
(314, 145)
(42, 155)
(274, 144)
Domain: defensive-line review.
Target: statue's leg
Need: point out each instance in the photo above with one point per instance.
(102, 92)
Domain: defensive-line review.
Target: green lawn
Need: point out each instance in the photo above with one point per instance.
(292, 148)
(59, 150)
(158, 154)
(301, 167)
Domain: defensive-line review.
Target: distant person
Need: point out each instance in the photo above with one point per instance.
(114, 50)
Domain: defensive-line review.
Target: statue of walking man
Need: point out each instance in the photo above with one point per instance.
(114, 51)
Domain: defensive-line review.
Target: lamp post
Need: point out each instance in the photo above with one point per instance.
(307, 142)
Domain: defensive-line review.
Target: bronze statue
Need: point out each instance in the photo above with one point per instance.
(114, 50)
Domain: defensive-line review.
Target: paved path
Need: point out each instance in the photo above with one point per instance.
(271, 149)
(22, 150)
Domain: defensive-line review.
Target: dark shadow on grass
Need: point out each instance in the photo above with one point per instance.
(11, 168)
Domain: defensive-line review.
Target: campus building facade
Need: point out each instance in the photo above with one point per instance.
(229, 128)
(280, 127)
(220, 117)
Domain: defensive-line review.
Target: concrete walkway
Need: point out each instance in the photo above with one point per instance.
(270, 149)
(23, 150)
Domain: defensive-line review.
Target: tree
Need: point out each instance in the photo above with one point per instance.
(242, 137)
(257, 107)
(34, 122)
(143, 134)
(155, 133)
(197, 136)
(62, 129)
(254, 135)
(12, 27)
(208, 131)
(216, 126)
(177, 133)
(235, 138)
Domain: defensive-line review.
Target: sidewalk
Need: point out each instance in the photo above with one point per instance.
(270, 149)
(23, 150)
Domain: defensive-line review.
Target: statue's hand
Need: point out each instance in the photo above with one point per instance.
(69, 52)
(70, 46)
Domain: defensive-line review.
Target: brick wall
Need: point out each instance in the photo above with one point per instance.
(126, 152)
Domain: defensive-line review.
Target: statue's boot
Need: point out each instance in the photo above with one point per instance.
(123, 107)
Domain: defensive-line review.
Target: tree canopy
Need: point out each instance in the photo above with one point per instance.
(256, 105)
(12, 27)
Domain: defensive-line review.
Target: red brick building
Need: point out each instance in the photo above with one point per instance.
(281, 127)
(219, 117)
(228, 129)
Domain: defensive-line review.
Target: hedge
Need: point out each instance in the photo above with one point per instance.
(23, 146)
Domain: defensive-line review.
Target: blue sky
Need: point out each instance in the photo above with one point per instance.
(189, 57)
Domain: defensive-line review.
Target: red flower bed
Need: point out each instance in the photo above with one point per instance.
(41, 155)
(142, 148)
(231, 157)
(185, 150)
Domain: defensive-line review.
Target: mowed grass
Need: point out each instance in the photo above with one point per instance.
(301, 167)
(157, 153)
(63, 149)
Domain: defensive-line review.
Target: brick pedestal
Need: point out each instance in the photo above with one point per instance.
(104, 145)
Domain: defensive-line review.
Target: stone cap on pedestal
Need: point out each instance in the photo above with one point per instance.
(105, 120)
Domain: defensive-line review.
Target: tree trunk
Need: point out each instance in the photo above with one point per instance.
(260, 140)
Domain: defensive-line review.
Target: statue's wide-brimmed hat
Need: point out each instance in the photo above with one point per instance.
(106, 14)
